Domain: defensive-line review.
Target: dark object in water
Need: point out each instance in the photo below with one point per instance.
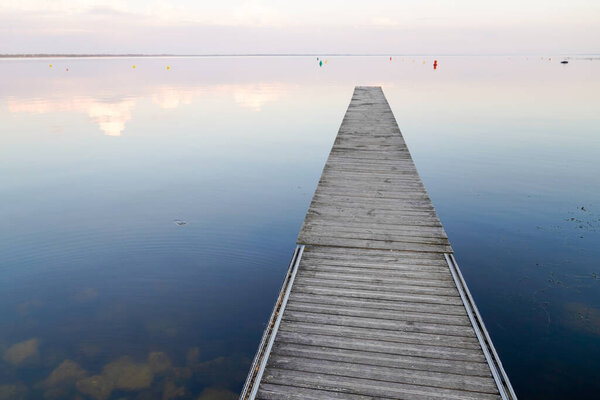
(179, 222)
(564, 62)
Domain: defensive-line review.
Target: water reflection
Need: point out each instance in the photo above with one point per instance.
(170, 97)
(255, 97)
(102, 296)
(23, 352)
(156, 377)
(111, 115)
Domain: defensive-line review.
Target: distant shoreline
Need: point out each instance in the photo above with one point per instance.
(41, 55)
(81, 55)
(94, 55)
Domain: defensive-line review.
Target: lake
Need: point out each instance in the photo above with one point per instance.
(149, 208)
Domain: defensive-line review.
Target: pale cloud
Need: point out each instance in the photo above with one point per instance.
(255, 97)
(384, 21)
(110, 117)
(167, 97)
(248, 13)
(250, 26)
(254, 13)
(251, 96)
(166, 13)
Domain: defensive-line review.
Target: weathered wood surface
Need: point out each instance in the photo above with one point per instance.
(373, 312)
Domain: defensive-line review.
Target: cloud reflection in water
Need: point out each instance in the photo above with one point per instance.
(112, 115)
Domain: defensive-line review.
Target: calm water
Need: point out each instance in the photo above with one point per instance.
(147, 216)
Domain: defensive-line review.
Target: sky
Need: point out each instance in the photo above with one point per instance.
(308, 26)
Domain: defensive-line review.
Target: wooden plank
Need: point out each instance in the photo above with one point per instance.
(433, 278)
(287, 392)
(396, 306)
(388, 260)
(367, 235)
(416, 344)
(378, 255)
(368, 387)
(379, 244)
(370, 212)
(372, 194)
(378, 295)
(384, 229)
(398, 168)
(363, 173)
(269, 391)
(376, 323)
(368, 156)
(380, 286)
(382, 204)
(406, 267)
(428, 309)
(364, 184)
(376, 279)
(383, 359)
(357, 311)
(372, 223)
(383, 373)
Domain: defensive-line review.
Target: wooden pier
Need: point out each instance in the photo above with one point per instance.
(373, 305)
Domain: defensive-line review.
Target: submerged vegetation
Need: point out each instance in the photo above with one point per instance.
(156, 377)
(96, 362)
(22, 352)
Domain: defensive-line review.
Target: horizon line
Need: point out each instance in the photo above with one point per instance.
(142, 55)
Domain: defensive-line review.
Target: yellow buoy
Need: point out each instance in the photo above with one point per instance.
(50, 65)
(168, 68)
(423, 61)
(133, 66)
(325, 61)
